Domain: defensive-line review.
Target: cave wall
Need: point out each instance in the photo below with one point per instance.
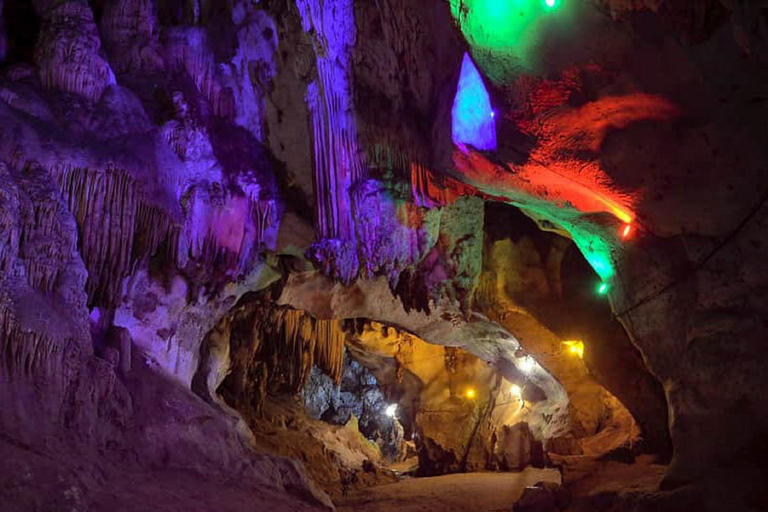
(699, 205)
(541, 289)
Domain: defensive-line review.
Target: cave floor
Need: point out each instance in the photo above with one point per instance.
(479, 492)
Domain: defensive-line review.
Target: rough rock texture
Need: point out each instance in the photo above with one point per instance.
(478, 336)
(67, 51)
(131, 222)
(150, 151)
(358, 394)
(686, 287)
(533, 277)
(459, 411)
(542, 497)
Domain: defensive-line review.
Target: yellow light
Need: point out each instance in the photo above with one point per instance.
(575, 347)
(516, 391)
(470, 393)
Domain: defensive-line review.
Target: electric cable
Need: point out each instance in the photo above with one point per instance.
(700, 264)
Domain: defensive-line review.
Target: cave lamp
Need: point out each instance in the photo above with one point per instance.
(526, 365)
(575, 347)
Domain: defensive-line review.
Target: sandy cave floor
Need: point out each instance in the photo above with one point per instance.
(478, 492)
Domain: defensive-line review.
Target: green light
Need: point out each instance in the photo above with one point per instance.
(602, 289)
(505, 35)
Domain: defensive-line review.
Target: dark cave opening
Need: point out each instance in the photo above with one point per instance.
(567, 303)
(21, 29)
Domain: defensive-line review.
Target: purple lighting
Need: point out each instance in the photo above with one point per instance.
(473, 117)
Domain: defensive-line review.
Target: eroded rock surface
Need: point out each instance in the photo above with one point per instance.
(204, 204)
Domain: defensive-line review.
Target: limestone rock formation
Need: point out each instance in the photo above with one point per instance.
(234, 234)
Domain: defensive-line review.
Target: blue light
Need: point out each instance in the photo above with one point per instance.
(473, 117)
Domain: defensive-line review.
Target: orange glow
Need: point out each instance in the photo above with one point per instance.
(470, 393)
(554, 173)
(587, 190)
(433, 190)
(575, 347)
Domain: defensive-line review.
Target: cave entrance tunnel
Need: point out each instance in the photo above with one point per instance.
(357, 395)
(540, 278)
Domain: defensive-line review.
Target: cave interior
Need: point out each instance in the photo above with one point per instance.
(391, 255)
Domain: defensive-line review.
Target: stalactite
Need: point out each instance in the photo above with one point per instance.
(431, 190)
(329, 349)
(384, 157)
(188, 49)
(67, 51)
(261, 212)
(117, 227)
(152, 226)
(338, 163)
(290, 343)
(27, 353)
(105, 210)
(130, 32)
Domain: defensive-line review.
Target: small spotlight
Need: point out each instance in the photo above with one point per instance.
(516, 391)
(602, 288)
(493, 113)
(391, 410)
(550, 3)
(575, 347)
(527, 364)
(470, 393)
(626, 231)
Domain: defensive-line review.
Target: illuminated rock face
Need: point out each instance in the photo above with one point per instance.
(472, 114)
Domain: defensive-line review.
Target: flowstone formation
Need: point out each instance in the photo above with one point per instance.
(309, 246)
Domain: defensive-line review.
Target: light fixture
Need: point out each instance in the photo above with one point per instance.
(470, 393)
(526, 365)
(550, 3)
(626, 231)
(391, 410)
(602, 288)
(516, 391)
(575, 347)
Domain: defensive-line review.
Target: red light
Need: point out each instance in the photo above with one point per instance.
(626, 231)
